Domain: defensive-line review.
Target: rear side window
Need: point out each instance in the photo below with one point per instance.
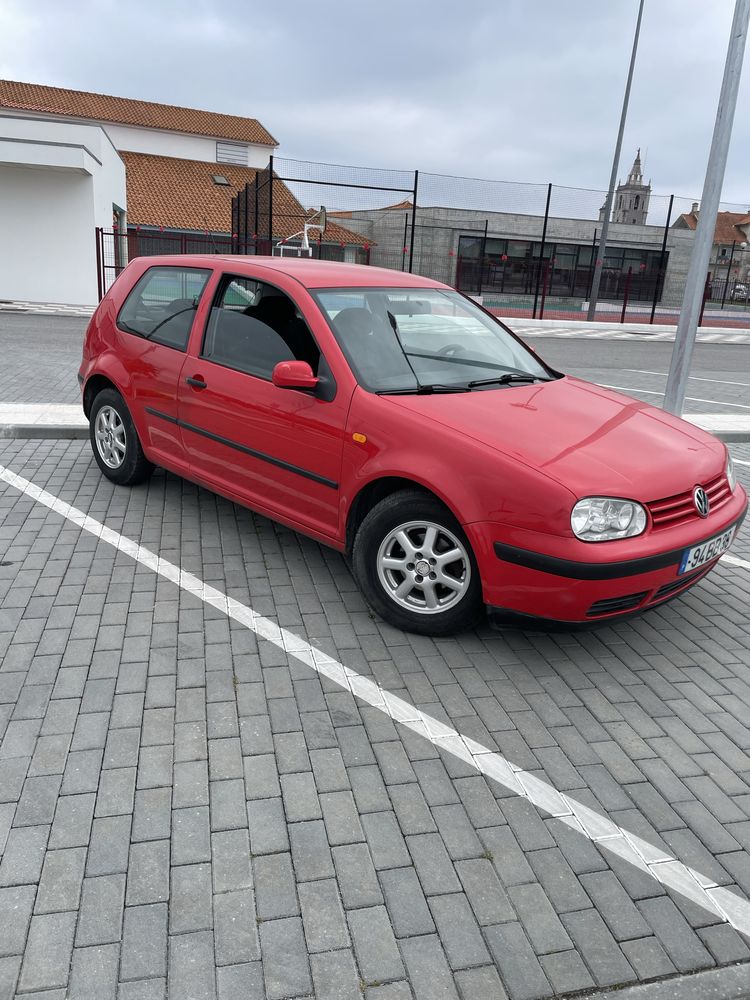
(161, 306)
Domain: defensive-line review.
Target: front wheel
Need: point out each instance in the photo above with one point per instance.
(114, 440)
(415, 566)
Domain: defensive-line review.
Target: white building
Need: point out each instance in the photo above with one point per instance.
(61, 177)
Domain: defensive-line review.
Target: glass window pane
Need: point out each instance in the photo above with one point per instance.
(163, 303)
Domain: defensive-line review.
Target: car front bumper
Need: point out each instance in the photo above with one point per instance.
(565, 580)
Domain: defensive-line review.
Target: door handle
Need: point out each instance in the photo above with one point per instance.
(197, 382)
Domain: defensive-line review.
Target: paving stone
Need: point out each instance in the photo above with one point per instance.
(521, 973)
(190, 783)
(613, 903)
(240, 982)
(539, 919)
(155, 767)
(121, 748)
(261, 777)
(228, 806)
(100, 916)
(407, 907)
(458, 931)
(480, 984)
(116, 792)
(275, 887)
(486, 895)
(374, 944)
(46, 960)
(300, 797)
(341, 818)
(12, 776)
(109, 846)
(191, 966)
(356, 876)
(191, 836)
(291, 753)
(390, 991)
(335, 976)
(38, 801)
(310, 851)
(725, 944)
(329, 771)
(648, 958)
(235, 931)
(82, 772)
(230, 853)
(16, 904)
(434, 867)
(395, 766)
(681, 943)
(144, 942)
(143, 989)
(566, 972)
(285, 963)
(411, 808)
(93, 972)
(152, 814)
(24, 855)
(429, 974)
(384, 838)
(323, 916)
(60, 884)
(9, 968)
(598, 948)
(190, 901)
(148, 873)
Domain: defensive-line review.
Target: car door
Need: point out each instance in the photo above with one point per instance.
(279, 450)
(153, 330)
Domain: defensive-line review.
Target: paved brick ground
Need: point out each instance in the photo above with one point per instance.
(184, 805)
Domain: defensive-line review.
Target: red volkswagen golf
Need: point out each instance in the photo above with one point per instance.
(390, 417)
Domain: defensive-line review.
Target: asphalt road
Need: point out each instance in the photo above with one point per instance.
(41, 355)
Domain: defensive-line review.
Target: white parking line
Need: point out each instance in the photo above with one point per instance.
(736, 561)
(596, 826)
(693, 378)
(738, 461)
(652, 392)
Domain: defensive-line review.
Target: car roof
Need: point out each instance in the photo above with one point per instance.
(308, 272)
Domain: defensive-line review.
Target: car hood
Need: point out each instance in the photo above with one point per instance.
(590, 439)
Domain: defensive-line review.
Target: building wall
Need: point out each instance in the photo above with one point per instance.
(58, 181)
(178, 144)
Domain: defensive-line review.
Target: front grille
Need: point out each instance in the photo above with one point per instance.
(680, 509)
(612, 604)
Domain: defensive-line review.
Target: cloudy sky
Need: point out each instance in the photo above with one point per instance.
(522, 90)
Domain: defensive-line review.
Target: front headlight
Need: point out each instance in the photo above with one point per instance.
(731, 474)
(603, 519)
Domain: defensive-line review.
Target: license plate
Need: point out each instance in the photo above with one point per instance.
(699, 555)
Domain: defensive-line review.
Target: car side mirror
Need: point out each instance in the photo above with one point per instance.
(293, 375)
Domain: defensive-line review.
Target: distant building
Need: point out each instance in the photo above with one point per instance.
(730, 260)
(630, 206)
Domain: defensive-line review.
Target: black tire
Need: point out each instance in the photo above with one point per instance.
(395, 510)
(134, 467)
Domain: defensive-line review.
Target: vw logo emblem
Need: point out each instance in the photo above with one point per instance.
(701, 501)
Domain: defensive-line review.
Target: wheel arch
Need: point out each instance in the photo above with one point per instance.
(92, 388)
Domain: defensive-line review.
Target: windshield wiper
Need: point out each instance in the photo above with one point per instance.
(507, 379)
(423, 389)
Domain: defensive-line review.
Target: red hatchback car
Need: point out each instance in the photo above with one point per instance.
(392, 418)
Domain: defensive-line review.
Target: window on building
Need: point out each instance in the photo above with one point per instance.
(162, 305)
(253, 326)
(231, 152)
(637, 201)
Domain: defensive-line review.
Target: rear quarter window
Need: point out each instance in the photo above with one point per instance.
(162, 305)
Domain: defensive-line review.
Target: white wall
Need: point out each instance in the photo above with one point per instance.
(58, 181)
(178, 144)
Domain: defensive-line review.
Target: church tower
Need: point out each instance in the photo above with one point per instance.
(631, 198)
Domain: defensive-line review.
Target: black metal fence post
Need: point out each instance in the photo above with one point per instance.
(626, 293)
(413, 220)
(403, 242)
(729, 271)
(541, 251)
(482, 256)
(270, 202)
(706, 296)
(662, 258)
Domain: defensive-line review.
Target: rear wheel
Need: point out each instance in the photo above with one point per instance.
(114, 440)
(415, 566)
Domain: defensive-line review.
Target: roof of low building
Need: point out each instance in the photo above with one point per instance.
(727, 223)
(124, 111)
(182, 194)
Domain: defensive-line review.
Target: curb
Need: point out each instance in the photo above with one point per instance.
(730, 983)
(37, 431)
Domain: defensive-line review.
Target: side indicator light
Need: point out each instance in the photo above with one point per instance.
(359, 438)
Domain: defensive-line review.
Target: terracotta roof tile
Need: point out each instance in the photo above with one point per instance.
(124, 111)
(726, 231)
(181, 194)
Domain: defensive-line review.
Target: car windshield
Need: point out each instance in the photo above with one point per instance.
(424, 339)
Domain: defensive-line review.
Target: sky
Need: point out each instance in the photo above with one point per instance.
(515, 90)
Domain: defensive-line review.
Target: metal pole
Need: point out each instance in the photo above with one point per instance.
(482, 256)
(662, 258)
(687, 326)
(541, 250)
(270, 203)
(544, 287)
(613, 178)
(403, 242)
(729, 271)
(413, 220)
(626, 292)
